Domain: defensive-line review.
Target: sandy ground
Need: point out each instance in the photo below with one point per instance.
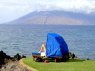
(26, 66)
(14, 66)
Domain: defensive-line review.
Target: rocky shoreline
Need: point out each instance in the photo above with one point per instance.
(8, 63)
(13, 66)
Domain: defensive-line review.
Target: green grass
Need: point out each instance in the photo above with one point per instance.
(72, 65)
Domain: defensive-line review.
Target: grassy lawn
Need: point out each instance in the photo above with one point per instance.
(72, 65)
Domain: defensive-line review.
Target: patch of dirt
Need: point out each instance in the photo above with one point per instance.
(13, 66)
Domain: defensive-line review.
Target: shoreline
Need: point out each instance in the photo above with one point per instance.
(13, 66)
(8, 63)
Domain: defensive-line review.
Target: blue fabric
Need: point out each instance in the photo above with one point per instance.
(35, 53)
(55, 46)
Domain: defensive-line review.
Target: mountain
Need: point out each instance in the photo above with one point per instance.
(56, 17)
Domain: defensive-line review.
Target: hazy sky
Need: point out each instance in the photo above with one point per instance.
(12, 9)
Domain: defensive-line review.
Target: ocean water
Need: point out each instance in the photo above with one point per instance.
(25, 39)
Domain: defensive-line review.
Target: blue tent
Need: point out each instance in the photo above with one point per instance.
(56, 46)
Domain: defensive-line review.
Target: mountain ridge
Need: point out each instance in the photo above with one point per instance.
(56, 17)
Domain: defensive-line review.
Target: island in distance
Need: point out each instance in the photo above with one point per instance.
(55, 18)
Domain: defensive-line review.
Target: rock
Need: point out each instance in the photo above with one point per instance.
(4, 58)
(72, 55)
(8, 63)
(17, 56)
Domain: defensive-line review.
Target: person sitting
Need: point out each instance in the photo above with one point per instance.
(43, 50)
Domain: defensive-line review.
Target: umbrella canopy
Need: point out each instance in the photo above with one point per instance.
(56, 46)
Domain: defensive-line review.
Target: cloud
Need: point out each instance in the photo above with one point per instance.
(12, 9)
(69, 5)
(86, 6)
(16, 8)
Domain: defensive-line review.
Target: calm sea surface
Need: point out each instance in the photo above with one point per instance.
(25, 39)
